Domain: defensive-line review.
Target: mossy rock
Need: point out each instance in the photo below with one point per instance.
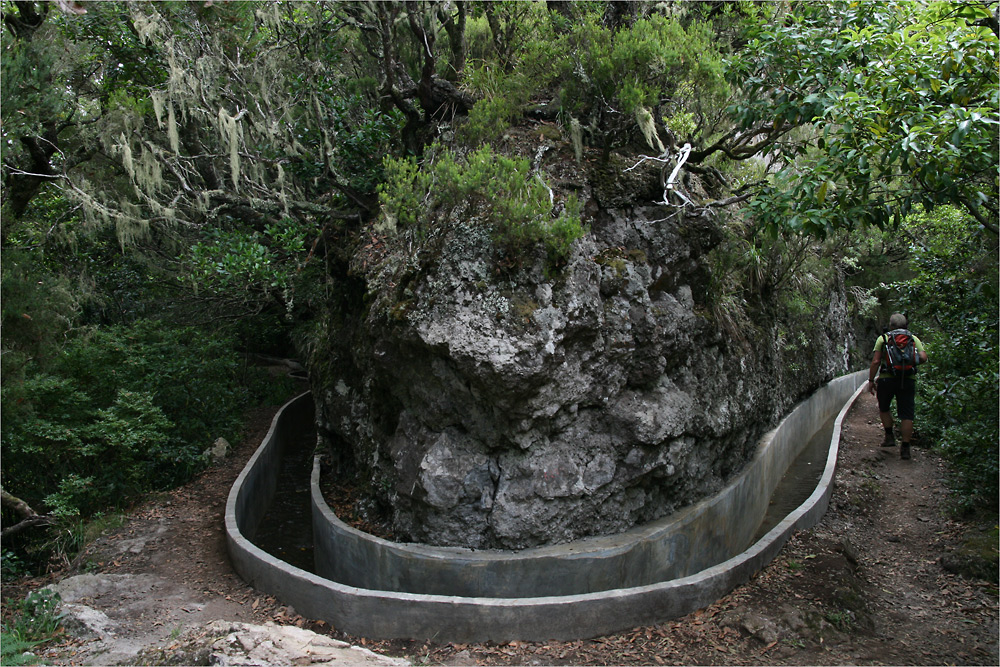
(976, 558)
(613, 258)
(549, 132)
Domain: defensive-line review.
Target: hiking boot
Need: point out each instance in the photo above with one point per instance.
(904, 451)
(890, 440)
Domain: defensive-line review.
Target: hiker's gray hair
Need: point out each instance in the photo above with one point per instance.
(897, 321)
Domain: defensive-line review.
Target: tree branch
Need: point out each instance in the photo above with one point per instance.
(29, 517)
(730, 201)
(978, 215)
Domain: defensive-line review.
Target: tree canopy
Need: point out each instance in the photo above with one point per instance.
(899, 100)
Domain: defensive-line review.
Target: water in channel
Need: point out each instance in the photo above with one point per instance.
(286, 530)
(800, 480)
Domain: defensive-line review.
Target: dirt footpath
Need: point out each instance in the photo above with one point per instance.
(865, 586)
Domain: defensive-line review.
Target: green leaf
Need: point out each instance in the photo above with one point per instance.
(960, 132)
(821, 192)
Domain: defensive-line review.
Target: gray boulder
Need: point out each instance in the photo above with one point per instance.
(515, 410)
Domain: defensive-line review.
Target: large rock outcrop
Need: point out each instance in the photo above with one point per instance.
(499, 407)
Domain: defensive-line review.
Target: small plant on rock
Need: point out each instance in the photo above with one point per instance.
(516, 204)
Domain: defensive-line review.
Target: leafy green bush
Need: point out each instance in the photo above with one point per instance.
(608, 75)
(504, 85)
(960, 414)
(656, 58)
(121, 411)
(252, 266)
(37, 617)
(901, 99)
(36, 308)
(513, 202)
(503, 98)
(16, 651)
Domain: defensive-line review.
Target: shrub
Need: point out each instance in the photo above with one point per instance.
(35, 621)
(16, 651)
(656, 59)
(120, 412)
(505, 69)
(512, 201)
(37, 617)
(36, 309)
(503, 97)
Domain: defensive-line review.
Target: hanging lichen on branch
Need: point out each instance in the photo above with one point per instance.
(200, 132)
(232, 137)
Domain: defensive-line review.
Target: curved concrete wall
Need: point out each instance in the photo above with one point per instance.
(656, 572)
(695, 538)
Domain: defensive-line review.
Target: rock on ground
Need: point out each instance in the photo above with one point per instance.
(234, 644)
(113, 641)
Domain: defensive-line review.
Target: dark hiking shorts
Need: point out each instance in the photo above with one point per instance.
(904, 391)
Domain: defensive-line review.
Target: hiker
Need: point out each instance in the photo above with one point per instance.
(896, 355)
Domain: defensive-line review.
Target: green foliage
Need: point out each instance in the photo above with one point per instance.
(502, 98)
(11, 565)
(119, 412)
(902, 99)
(751, 271)
(732, 21)
(62, 273)
(35, 621)
(341, 136)
(602, 74)
(68, 536)
(507, 197)
(362, 133)
(952, 303)
(36, 308)
(27, 100)
(37, 617)
(109, 41)
(16, 651)
(503, 84)
(616, 74)
(251, 265)
(841, 619)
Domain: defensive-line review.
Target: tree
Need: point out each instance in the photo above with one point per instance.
(401, 41)
(36, 110)
(898, 105)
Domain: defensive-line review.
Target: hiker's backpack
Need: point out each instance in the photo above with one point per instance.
(901, 357)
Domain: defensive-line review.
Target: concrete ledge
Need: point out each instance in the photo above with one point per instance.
(629, 580)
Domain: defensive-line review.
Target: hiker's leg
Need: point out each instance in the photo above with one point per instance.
(906, 429)
(885, 390)
(905, 407)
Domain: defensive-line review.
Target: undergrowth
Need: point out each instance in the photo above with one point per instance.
(35, 621)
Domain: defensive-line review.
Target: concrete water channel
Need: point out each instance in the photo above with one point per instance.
(371, 587)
